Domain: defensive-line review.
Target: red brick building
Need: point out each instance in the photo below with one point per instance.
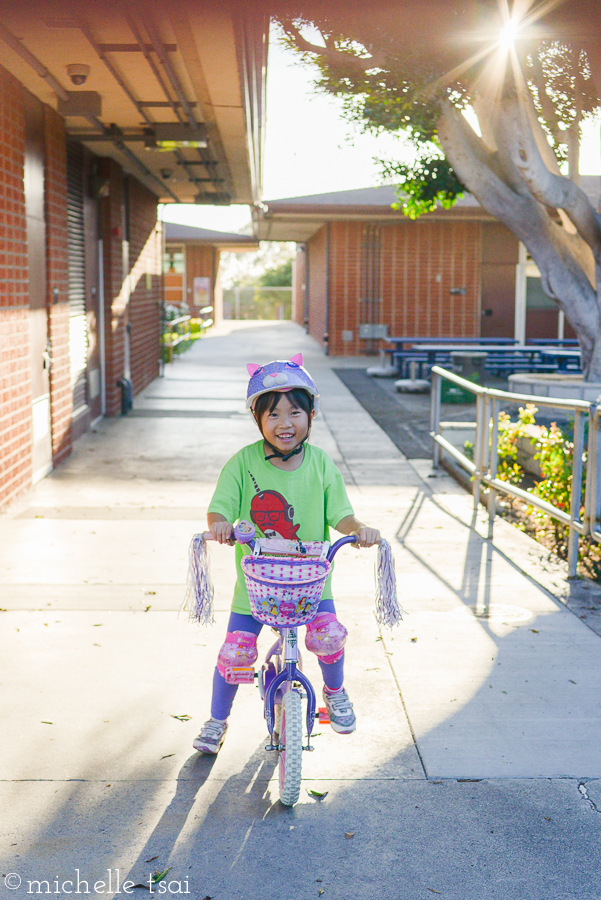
(364, 271)
(103, 115)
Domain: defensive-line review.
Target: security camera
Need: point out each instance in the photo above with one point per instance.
(78, 73)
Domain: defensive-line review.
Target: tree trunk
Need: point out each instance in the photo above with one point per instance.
(503, 187)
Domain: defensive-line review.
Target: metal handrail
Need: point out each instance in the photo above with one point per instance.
(484, 466)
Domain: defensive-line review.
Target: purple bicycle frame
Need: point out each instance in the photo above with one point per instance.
(291, 672)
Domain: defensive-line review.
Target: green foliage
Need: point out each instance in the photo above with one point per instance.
(509, 432)
(389, 83)
(555, 456)
(428, 181)
(279, 276)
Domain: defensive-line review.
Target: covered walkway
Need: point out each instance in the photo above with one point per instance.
(474, 769)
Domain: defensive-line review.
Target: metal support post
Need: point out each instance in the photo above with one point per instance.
(494, 462)
(478, 449)
(435, 416)
(575, 493)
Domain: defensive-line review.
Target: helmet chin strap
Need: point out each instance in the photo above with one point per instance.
(277, 454)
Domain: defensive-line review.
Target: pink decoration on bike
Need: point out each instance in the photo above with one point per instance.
(284, 592)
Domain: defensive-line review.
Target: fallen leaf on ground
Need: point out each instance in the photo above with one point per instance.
(158, 876)
(572, 680)
(47, 723)
(146, 608)
(183, 718)
(413, 640)
(167, 755)
(349, 834)
(144, 886)
(152, 859)
(434, 891)
(534, 630)
(320, 892)
(317, 794)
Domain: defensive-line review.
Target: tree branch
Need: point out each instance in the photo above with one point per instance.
(333, 56)
(547, 108)
(553, 190)
(476, 167)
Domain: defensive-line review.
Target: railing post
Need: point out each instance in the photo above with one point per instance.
(575, 493)
(435, 416)
(478, 447)
(494, 462)
(592, 480)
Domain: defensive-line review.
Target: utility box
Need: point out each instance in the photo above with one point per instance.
(469, 364)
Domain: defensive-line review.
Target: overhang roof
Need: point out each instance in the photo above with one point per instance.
(193, 64)
(223, 240)
(299, 218)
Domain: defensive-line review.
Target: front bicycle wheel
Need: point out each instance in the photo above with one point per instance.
(291, 739)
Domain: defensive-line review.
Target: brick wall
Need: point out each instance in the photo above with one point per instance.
(419, 263)
(15, 390)
(144, 306)
(55, 203)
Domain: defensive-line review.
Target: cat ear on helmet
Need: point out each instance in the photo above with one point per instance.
(252, 368)
(297, 358)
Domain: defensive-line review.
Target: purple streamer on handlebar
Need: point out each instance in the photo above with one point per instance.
(199, 589)
(388, 610)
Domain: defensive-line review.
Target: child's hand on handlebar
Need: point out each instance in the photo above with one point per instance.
(367, 536)
(223, 532)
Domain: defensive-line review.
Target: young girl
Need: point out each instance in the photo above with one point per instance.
(288, 489)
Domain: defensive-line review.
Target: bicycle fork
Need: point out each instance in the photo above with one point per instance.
(289, 674)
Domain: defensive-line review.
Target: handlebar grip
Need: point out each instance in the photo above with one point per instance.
(349, 539)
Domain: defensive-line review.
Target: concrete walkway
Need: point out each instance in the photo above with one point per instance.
(473, 771)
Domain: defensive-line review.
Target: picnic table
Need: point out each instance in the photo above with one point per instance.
(502, 358)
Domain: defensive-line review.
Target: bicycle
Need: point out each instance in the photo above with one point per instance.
(285, 591)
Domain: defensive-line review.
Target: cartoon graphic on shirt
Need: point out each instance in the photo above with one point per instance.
(272, 514)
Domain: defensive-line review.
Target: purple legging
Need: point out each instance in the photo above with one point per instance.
(224, 693)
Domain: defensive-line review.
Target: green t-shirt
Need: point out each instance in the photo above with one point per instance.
(302, 504)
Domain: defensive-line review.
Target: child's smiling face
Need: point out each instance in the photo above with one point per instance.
(285, 426)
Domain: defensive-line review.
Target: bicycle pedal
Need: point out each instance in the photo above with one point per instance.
(323, 715)
(240, 675)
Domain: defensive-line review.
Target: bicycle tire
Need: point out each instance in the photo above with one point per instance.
(290, 757)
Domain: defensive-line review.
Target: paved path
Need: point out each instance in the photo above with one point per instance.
(474, 768)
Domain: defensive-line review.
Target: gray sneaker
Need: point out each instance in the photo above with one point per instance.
(340, 710)
(211, 737)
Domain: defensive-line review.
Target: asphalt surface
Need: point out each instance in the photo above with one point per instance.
(474, 771)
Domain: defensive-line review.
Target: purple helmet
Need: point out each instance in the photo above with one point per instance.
(280, 375)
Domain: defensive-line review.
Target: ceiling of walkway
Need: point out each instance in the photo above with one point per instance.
(133, 77)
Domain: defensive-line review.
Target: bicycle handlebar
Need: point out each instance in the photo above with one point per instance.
(244, 533)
